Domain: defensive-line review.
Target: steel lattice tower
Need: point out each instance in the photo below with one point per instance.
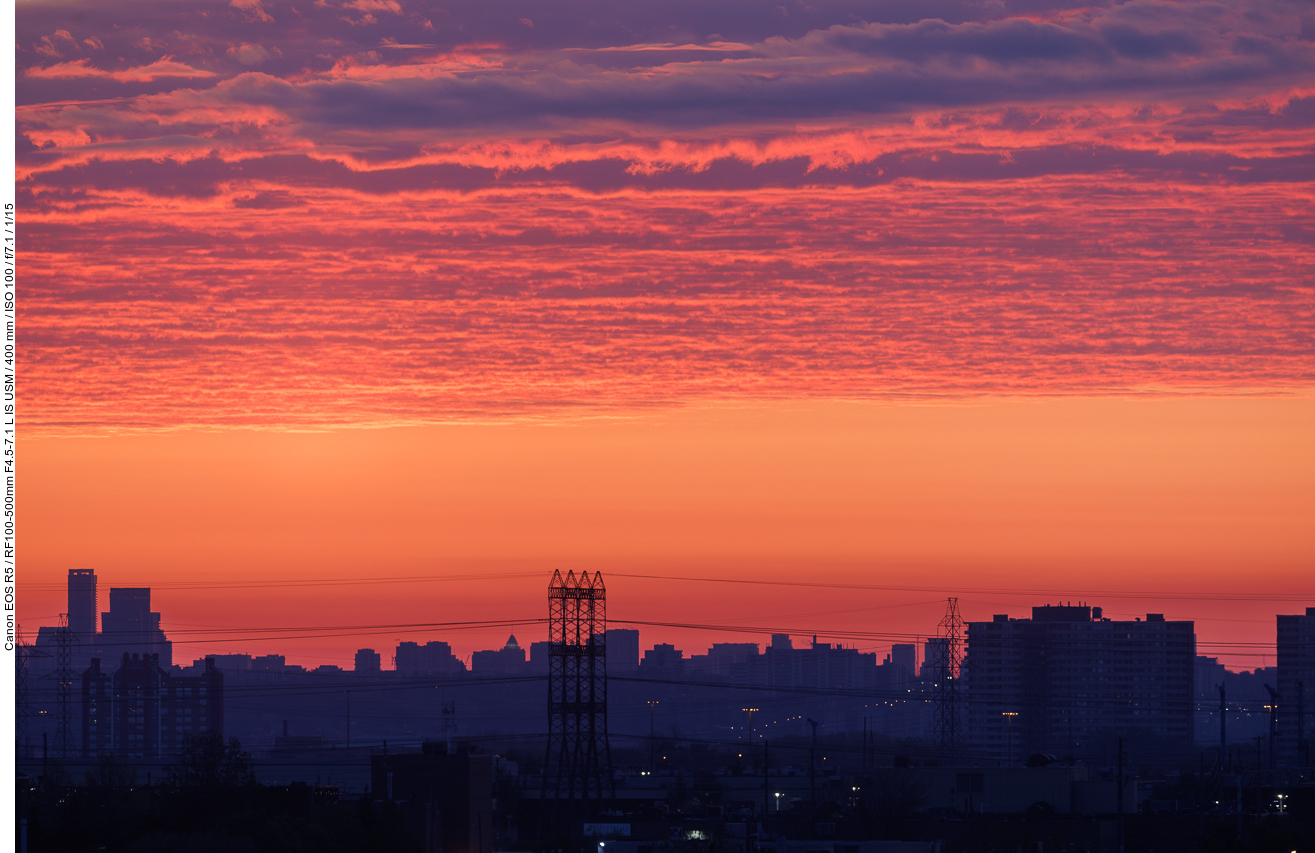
(21, 711)
(578, 763)
(949, 653)
(64, 688)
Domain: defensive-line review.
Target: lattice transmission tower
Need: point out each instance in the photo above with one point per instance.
(948, 717)
(578, 763)
(64, 688)
(22, 740)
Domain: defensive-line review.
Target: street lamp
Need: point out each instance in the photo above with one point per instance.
(750, 710)
(1009, 732)
(652, 741)
(778, 802)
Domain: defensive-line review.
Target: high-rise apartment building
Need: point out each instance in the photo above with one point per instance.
(142, 711)
(622, 650)
(1296, 687)
(1068, 682)
(904, 657)
(82, 604)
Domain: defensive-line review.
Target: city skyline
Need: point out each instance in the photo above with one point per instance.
(466, 636)
(1066, 676)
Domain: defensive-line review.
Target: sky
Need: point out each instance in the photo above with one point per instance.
(1008, 300)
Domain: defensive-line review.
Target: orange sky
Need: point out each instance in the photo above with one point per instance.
(1073, 497)
(315, 292)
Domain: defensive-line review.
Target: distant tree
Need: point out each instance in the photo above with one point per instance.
(706, 790)
(889, 798)
(111, 773)
(207, 762)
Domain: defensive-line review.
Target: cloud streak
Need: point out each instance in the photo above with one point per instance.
(503, 220)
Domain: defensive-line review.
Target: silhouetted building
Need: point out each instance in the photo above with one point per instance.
(732, 663)
(539, 653)
(663, 659)
(433, 658)
(821, 665)
(1067, 682)
(445, 801)
(903, 711)
(508, 660)
(1296, 685)
(1207, 675)
(130, 626)
(904, 656)
(836, 667)
(240, 663)
(622, 650)
(297, 743)
(271, 663)
(141, 711)
(368, 661)
(933, 654)
(82, 604)
(226, 663)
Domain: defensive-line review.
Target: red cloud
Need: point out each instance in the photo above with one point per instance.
(163, 67)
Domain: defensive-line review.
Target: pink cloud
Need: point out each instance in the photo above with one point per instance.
(374, 6)
(252, 10)
(163, 67)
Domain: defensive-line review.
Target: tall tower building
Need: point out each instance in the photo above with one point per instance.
(130, 626)
(82, 610)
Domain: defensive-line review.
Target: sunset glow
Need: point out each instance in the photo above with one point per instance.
(926, 295)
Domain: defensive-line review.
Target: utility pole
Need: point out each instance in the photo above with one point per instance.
(1258, 738)
(766, 786)
(652, 738)
(1009, 734)
(1223, 727)
(1239, 798)
(1273, 724)
(1303, 747)
(349, 719)
(449, 709)
(863, 756)
(1120, 795)
(749, 752)
(812, 771)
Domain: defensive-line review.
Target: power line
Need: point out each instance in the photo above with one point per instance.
(1086, 592)
(1033, 593)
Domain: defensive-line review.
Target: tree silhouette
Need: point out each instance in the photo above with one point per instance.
(207, 762)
